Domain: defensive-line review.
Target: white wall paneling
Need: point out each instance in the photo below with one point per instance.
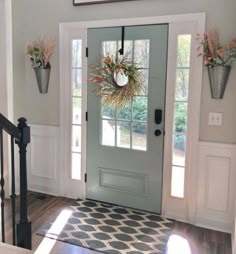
(43, 159)
(216, 186)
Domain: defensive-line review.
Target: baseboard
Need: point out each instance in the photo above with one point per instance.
(215, 224)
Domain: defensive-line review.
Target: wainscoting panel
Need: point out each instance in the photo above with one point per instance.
(216, 186)
(43, 158)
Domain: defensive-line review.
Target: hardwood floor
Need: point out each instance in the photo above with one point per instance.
(184, 239)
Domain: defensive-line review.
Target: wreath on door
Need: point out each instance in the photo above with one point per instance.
(117, 80)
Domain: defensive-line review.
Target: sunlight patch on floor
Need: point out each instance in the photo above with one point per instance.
(178, 244)
(47, 244)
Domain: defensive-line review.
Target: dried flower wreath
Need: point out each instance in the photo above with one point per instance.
(117, 81)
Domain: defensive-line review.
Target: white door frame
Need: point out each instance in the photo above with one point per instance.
(6, 80)
(81, 27)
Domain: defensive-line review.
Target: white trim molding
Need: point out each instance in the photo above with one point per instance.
(70, 30)
(6, 82)
(43, 160)
(183, 209)
(216, 180)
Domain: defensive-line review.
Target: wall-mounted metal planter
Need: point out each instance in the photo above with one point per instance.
(218, 76)
(43, 76)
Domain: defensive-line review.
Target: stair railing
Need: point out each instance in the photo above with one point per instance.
(20, 135)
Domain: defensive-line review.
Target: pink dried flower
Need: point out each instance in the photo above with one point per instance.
(232, 44)
(40, 52)
(220, 52)
(213, 53)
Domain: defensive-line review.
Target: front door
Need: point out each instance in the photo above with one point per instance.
(125, 146)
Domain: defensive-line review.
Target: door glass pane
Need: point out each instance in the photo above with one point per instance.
(108, 133)
(117, 123)
(145, 76)
(123, 134)
(184, 50)
(141, 53)
(140, 108)
(139, 136)
(108, 112)
(177, 182)
(179, 146)
(109, 47)
(76, 166)
(77, 81)
(77, 53)
(180, 120)
(76, 138)
(76, 110)
(125, 112)
(182, 81)
(128, 50)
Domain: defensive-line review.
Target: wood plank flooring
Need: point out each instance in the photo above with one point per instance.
(185, 238)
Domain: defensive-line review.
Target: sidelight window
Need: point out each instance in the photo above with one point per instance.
(180, 115)
(76, 108)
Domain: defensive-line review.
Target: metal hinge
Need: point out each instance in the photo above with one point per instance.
(86, 116)
(85, 177)
(86, 52)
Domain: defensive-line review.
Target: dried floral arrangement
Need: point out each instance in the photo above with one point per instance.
(214, 54)
(104, 76)
(40, 52)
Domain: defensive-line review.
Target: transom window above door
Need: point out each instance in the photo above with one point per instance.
(127, 127)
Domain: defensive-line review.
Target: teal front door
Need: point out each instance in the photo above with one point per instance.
(125, 146)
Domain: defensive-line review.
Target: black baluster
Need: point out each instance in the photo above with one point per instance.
(13, 192)
(2, 186)
(24, 237)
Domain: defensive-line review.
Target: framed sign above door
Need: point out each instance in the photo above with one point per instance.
(88, 2)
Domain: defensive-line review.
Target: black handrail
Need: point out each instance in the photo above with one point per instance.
(21, 233)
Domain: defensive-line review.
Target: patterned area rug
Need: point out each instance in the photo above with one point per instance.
(110, 229)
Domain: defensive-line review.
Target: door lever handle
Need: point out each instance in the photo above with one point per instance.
(158, 116)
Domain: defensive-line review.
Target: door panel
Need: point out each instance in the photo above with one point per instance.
(124, 156)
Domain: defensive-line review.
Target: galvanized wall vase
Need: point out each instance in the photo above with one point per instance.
(43, 76)
(218, 76)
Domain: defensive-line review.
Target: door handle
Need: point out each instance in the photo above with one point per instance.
(158, 116)
(157, 133)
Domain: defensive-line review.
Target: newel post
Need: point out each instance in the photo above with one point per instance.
(24, 234)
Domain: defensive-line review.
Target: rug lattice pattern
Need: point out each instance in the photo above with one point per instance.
(113, 230)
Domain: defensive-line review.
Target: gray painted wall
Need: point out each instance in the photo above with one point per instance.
(34, 18)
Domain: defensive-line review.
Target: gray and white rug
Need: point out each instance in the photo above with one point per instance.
(110, 229)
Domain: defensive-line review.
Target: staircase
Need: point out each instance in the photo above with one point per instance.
(19, 135)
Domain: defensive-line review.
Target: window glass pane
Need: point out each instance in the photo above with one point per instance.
(76, 166)
(182, 81)
(108, 133)
(76, 138)
(141, 53)
(76, 110)
(184, 49)
(177, 182)
(125, 112)
(109, 47)
(179, 146)
(180, 120)
(108, 111)
(123, 134)
(76, 53)
(139, 136)
(140, 108)
(77, 81)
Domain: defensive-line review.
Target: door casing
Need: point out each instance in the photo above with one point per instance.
(67, 30)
